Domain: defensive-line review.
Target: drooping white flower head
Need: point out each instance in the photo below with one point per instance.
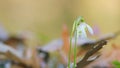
(81, 30)
(81, 26)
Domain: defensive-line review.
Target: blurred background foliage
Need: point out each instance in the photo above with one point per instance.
(46, 17)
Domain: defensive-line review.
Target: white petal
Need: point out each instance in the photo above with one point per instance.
(83, 34)
(83, 24)
(81, 30)
(81, 27)
(90, 29)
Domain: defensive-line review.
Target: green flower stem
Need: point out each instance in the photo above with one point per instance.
(74, 29)
(75, 49)
(79, 27)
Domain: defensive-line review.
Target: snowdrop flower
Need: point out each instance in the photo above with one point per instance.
(81, 30)
(80, 27)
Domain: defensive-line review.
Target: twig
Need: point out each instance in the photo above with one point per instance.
(92, 51)
(88, 45)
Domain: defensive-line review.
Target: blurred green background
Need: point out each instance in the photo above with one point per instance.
(46, 17)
